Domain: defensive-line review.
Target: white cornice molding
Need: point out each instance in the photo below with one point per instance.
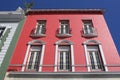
(67, 74)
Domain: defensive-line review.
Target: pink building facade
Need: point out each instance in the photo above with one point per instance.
(64, 43)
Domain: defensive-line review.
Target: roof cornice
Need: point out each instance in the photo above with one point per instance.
(58, 11)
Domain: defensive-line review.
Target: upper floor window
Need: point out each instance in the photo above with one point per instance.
(2, 29)
(88, 29)
(40, 29)
(64, 29)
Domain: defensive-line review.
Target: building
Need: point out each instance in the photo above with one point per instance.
(67, 44)
(9, 21)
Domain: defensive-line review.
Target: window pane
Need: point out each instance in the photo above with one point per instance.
(61, 60)
(92, 60)
(37, 60)
(38, 29)
(67, 60)
(31, 60)
(98, 60)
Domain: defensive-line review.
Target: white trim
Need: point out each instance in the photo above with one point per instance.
(91, 41)
(36, 27)
(101, 52)
(25, 59)
(72, 58)
(66, 41)
(86, 55)
(103, 58)
(38, 41)
(42, 56)
(56, 55)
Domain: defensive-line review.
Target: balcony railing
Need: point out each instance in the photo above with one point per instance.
(35, 33)
(62, 32)
(90, 32)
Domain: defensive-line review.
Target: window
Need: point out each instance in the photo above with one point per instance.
(89, 30)
(88, 27)
(64, 27)
(2, 29)
(64, 56)
(64, 63)
(40, 30)
(41, 27)
(95, 58)
(64, 30)
(34, 58)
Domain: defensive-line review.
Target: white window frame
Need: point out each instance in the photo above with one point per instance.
(40, 23)
(28, 51)
(64, 27)
(101, 52)
(64, 58)
(94, 58)
(88, 27)
(34, 57)
(56, 54)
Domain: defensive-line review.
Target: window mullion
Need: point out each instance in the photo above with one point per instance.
(40, 29)
(33, 61)
(95, 60)
(64, 60)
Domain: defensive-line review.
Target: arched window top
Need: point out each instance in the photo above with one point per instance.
(91, 42)
(36, 42)
(67, 42)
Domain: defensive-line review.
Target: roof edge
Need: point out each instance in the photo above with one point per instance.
(98, 11)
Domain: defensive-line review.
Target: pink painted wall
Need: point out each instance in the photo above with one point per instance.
(52, 24)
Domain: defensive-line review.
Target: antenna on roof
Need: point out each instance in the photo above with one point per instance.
(28, 5)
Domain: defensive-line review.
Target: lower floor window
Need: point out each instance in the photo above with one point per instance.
(95, 59)
(34, 58)
(64, 58)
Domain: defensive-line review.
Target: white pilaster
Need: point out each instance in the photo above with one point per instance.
(25, 59)
(103, 58)
(56, 55)
(42, 56)
(72, 58)
(86, 55)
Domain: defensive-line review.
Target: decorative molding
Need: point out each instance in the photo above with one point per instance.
(64, 41)
(36, 41)
(91, 41)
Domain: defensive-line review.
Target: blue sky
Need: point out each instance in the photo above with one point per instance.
(112, 11)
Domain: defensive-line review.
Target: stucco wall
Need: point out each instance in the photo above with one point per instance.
(76, 25)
